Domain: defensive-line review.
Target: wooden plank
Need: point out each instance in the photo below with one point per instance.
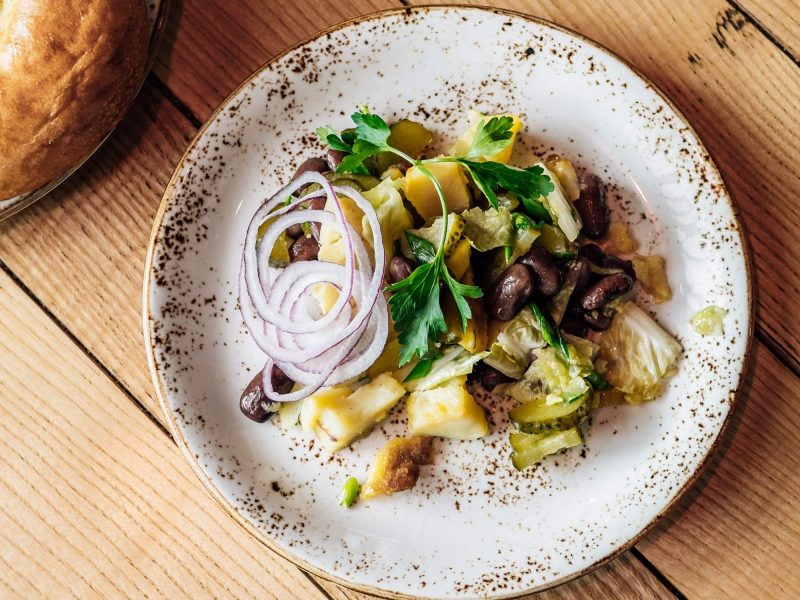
(735, 535)
(781, 19)
(81, 250)
(210, 47)
(97, 501)
(625, 578)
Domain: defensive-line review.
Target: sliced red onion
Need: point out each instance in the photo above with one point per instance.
(277, 305)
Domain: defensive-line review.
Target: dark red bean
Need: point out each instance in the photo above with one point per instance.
(491, 377)
(316, 164)
(595, 254)
(581, 265)
(304, 248)
(597, 320)
(334, 158)
(294, 231)
(592, 206)
(399, 268)
(547, 275)
(511, 292)
(315, 204)
(281, 382)
(604, 291)
(574, 325)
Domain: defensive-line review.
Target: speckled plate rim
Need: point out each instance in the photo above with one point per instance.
(181, 441)
(29, 198)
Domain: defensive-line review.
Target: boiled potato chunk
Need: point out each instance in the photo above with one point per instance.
(331, 246)
(338, 416)
(326, 295)
(396, 466)
(423, 197)
(447, 411)
(458, 261)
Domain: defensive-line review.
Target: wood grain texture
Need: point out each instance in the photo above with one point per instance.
(780, 18)
(97, 501)
(735, 534)
(81, 250)
(210, 47)
(622, 579)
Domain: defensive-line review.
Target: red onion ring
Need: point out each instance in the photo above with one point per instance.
(277, 305)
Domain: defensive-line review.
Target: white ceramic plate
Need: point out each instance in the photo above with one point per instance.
(157, 13)
(472, 526)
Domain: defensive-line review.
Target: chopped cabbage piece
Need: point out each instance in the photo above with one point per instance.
(455, 362)
(639, 353)
(652, 276)
(393, 217)
(561, 209)
(487, 229)
(512, 352)
(709, 320)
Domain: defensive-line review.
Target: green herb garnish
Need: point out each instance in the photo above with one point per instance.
(415, 303)
(550, 331)
(350, 491)
(421, 248)
(597, 381)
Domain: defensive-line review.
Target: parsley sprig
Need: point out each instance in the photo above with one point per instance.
(415, 302)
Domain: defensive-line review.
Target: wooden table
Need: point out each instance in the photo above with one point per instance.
(98, 502)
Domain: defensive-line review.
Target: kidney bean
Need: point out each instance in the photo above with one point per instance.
(511, 291)
(304, 248)
(334, 158)
(547, 275)
(294, 231)
(581, 265)
(280, 381)
(315, 204)
(317, 164)
(491, 377)
(254, 404)
(604, 291)
(399, 268)
(596, 255)
(597, 320)
(573, 324)
(592, 207)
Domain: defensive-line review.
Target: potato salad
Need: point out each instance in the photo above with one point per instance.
(384, 278)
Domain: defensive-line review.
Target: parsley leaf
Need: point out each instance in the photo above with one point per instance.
(421, 248)
(371, 128)
(328, 136)
(460, 293)
(528, 184)
(491, 137)
(416, 310)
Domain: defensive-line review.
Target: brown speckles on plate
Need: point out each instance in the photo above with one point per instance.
(471, 515)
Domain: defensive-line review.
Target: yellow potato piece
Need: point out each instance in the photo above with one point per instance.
(331, 247)
(448, 411)
(422, 195)
(464, 142)
(458, 261)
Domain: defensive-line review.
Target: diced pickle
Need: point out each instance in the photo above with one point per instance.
(652, 275)
(554, 241)
(530, 448)
(538, 417)
(407, 136)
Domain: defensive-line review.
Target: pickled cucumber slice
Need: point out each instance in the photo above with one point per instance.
(538, 417)
(433, 234)
(528, 449)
